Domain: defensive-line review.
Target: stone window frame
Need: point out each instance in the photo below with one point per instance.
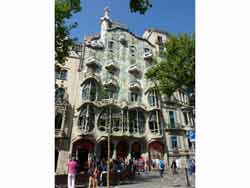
(61, 74)
(155, 124)
(132, 50)
(86, 119)
(90, 90)
(174, 142)
(153, 99)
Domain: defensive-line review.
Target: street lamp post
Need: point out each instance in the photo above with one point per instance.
(108, 163)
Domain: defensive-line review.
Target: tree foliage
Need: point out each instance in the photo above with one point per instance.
(140, 6)
(64, 9)
(176, 68)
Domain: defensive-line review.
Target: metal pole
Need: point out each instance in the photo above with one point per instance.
(108, 163)
(187, 178)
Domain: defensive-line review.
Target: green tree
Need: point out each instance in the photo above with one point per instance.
(175, 70)
(140, 6)
(64, 9)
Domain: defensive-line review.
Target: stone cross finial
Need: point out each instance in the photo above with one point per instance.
(106, 12)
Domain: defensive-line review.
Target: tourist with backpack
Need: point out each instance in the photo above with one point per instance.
(161, 167)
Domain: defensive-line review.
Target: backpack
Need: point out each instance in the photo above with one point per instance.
(162, 164)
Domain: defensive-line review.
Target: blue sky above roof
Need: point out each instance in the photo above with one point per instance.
(173, 16)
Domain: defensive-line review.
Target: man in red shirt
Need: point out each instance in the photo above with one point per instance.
(72, 166)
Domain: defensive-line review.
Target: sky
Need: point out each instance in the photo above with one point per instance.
(173, 16)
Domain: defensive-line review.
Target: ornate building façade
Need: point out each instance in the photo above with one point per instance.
(101, 86)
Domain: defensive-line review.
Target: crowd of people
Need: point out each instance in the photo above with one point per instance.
(97, 170)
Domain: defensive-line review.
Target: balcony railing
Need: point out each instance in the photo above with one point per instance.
(134, 85)
(112, 65)
(134, 69)
(92, 61)
(87, 75)
(121, 132)
(175, 126)
(110, 82)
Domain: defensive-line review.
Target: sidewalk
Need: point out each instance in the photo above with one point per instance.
(151, 181)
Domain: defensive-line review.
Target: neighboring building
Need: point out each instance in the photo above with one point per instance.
(103, 85)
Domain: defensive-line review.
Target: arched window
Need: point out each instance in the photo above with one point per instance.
(116, 119)
(104, 120)
(89, 90)
(58, 121)
(86, 119)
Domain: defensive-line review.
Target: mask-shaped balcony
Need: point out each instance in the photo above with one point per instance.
(97, 44)
(110, 83)
(134, 85)
(92, 61)
(111, 66)
(148, 55)
(89, 75)
(134, 69)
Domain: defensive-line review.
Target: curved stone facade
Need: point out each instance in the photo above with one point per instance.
(107, 91)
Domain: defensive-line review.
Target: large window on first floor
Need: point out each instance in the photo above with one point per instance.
(86, 121)
(136, 121)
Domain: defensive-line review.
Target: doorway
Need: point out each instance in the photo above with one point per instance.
(82, 159)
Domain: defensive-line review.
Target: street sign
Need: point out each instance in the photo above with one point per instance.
(191, 136)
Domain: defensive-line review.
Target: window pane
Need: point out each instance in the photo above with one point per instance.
(64, 75)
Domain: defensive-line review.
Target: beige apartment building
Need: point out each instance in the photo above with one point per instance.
(102, 88)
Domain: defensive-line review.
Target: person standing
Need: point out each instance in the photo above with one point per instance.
(174, 166)
(161, 167)
(72, 170)
(91, 173)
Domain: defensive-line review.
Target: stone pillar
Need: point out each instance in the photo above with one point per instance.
(114, 152)
(137, 121)
(63, 158)
(129, 150)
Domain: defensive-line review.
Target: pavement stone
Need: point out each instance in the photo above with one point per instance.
(153, 180)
